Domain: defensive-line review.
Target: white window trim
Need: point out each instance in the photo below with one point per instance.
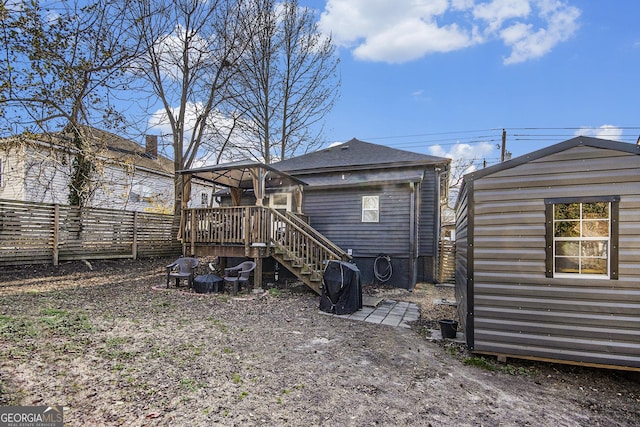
(376, 210)
(580, 257)
(286, 207)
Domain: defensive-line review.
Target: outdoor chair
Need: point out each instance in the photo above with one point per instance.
(239, 275)
(182, 268)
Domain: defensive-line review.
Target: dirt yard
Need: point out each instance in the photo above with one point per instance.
(114, 351)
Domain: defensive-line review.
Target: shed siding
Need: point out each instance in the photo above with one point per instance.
(516, 309)
(462, 253)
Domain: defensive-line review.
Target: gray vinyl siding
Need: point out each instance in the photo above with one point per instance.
(337, 214)
(429, 215)
(461, 271)
(515, 309)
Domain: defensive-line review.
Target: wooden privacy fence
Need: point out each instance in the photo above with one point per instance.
(38, 233)
(447, 261)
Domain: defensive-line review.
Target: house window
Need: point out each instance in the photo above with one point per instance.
(141, 193)
(1, 180)
(204, 199)
(582, 237)
(280, 201)
(370, 209)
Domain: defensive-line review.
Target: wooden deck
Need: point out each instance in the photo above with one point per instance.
(259, 232)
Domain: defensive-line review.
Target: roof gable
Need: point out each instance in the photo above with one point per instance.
(355, 154)
(124, 150)
(578, 141)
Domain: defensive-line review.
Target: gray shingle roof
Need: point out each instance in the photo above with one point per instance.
(355, 154)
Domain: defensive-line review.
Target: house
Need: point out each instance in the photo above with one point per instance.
(127, 175)
(382, 205)
(374, 205)
(547, 255)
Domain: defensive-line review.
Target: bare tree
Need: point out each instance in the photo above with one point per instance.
(192, 48)
(59, 63)
(310, 79)
(288, 82)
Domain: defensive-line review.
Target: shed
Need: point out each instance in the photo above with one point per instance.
(548, 255)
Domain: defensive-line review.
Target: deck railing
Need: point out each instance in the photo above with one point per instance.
(290, 238)
(226, 225)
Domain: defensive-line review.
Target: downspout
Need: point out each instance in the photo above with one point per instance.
(412, 235)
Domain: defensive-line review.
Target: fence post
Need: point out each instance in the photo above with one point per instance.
(56, 233)
(134, 245)
(193, 231)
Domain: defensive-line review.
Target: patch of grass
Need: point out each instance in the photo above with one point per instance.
(517, 370)
(275, 292)
(481, 362)
(491, 365)
(227, 350)
(65, 322)
(190, 384)
(236, 378)
(243, 394)
(16, 328)
(217, 322)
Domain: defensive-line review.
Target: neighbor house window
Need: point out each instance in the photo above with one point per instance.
(204, 199)
(582, 237)
(1, 180)
(370, 209)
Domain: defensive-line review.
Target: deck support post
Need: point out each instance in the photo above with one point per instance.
(257, 273)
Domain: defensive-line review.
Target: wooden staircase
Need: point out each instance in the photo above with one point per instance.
(302, 249)
(259, 232)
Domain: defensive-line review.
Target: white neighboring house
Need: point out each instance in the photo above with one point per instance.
(127, 176)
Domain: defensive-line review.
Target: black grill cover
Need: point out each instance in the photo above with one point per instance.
(341, 288)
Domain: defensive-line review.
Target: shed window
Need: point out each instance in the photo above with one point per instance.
(370, 209)
(582, 237)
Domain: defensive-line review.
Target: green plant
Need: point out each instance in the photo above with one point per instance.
(190, 384)
(236, 378)
(275, 292)
(219, 324)
(516, 370)
(480, 362)
(65, 322)
(243, 394)
(16, 328)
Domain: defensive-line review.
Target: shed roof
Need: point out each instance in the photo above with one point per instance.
(578, 141)
(353, 155)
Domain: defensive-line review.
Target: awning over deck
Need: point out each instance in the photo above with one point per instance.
(241, 174)
(245, 175)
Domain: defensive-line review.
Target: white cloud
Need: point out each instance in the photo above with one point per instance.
(604, 132)
(405, 30)
(528, 42)
(462, 151)
(495, 13)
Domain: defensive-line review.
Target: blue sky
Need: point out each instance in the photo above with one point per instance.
(445, 77)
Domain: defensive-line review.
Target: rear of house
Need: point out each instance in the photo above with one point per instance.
(548, 250)
(380, 204)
